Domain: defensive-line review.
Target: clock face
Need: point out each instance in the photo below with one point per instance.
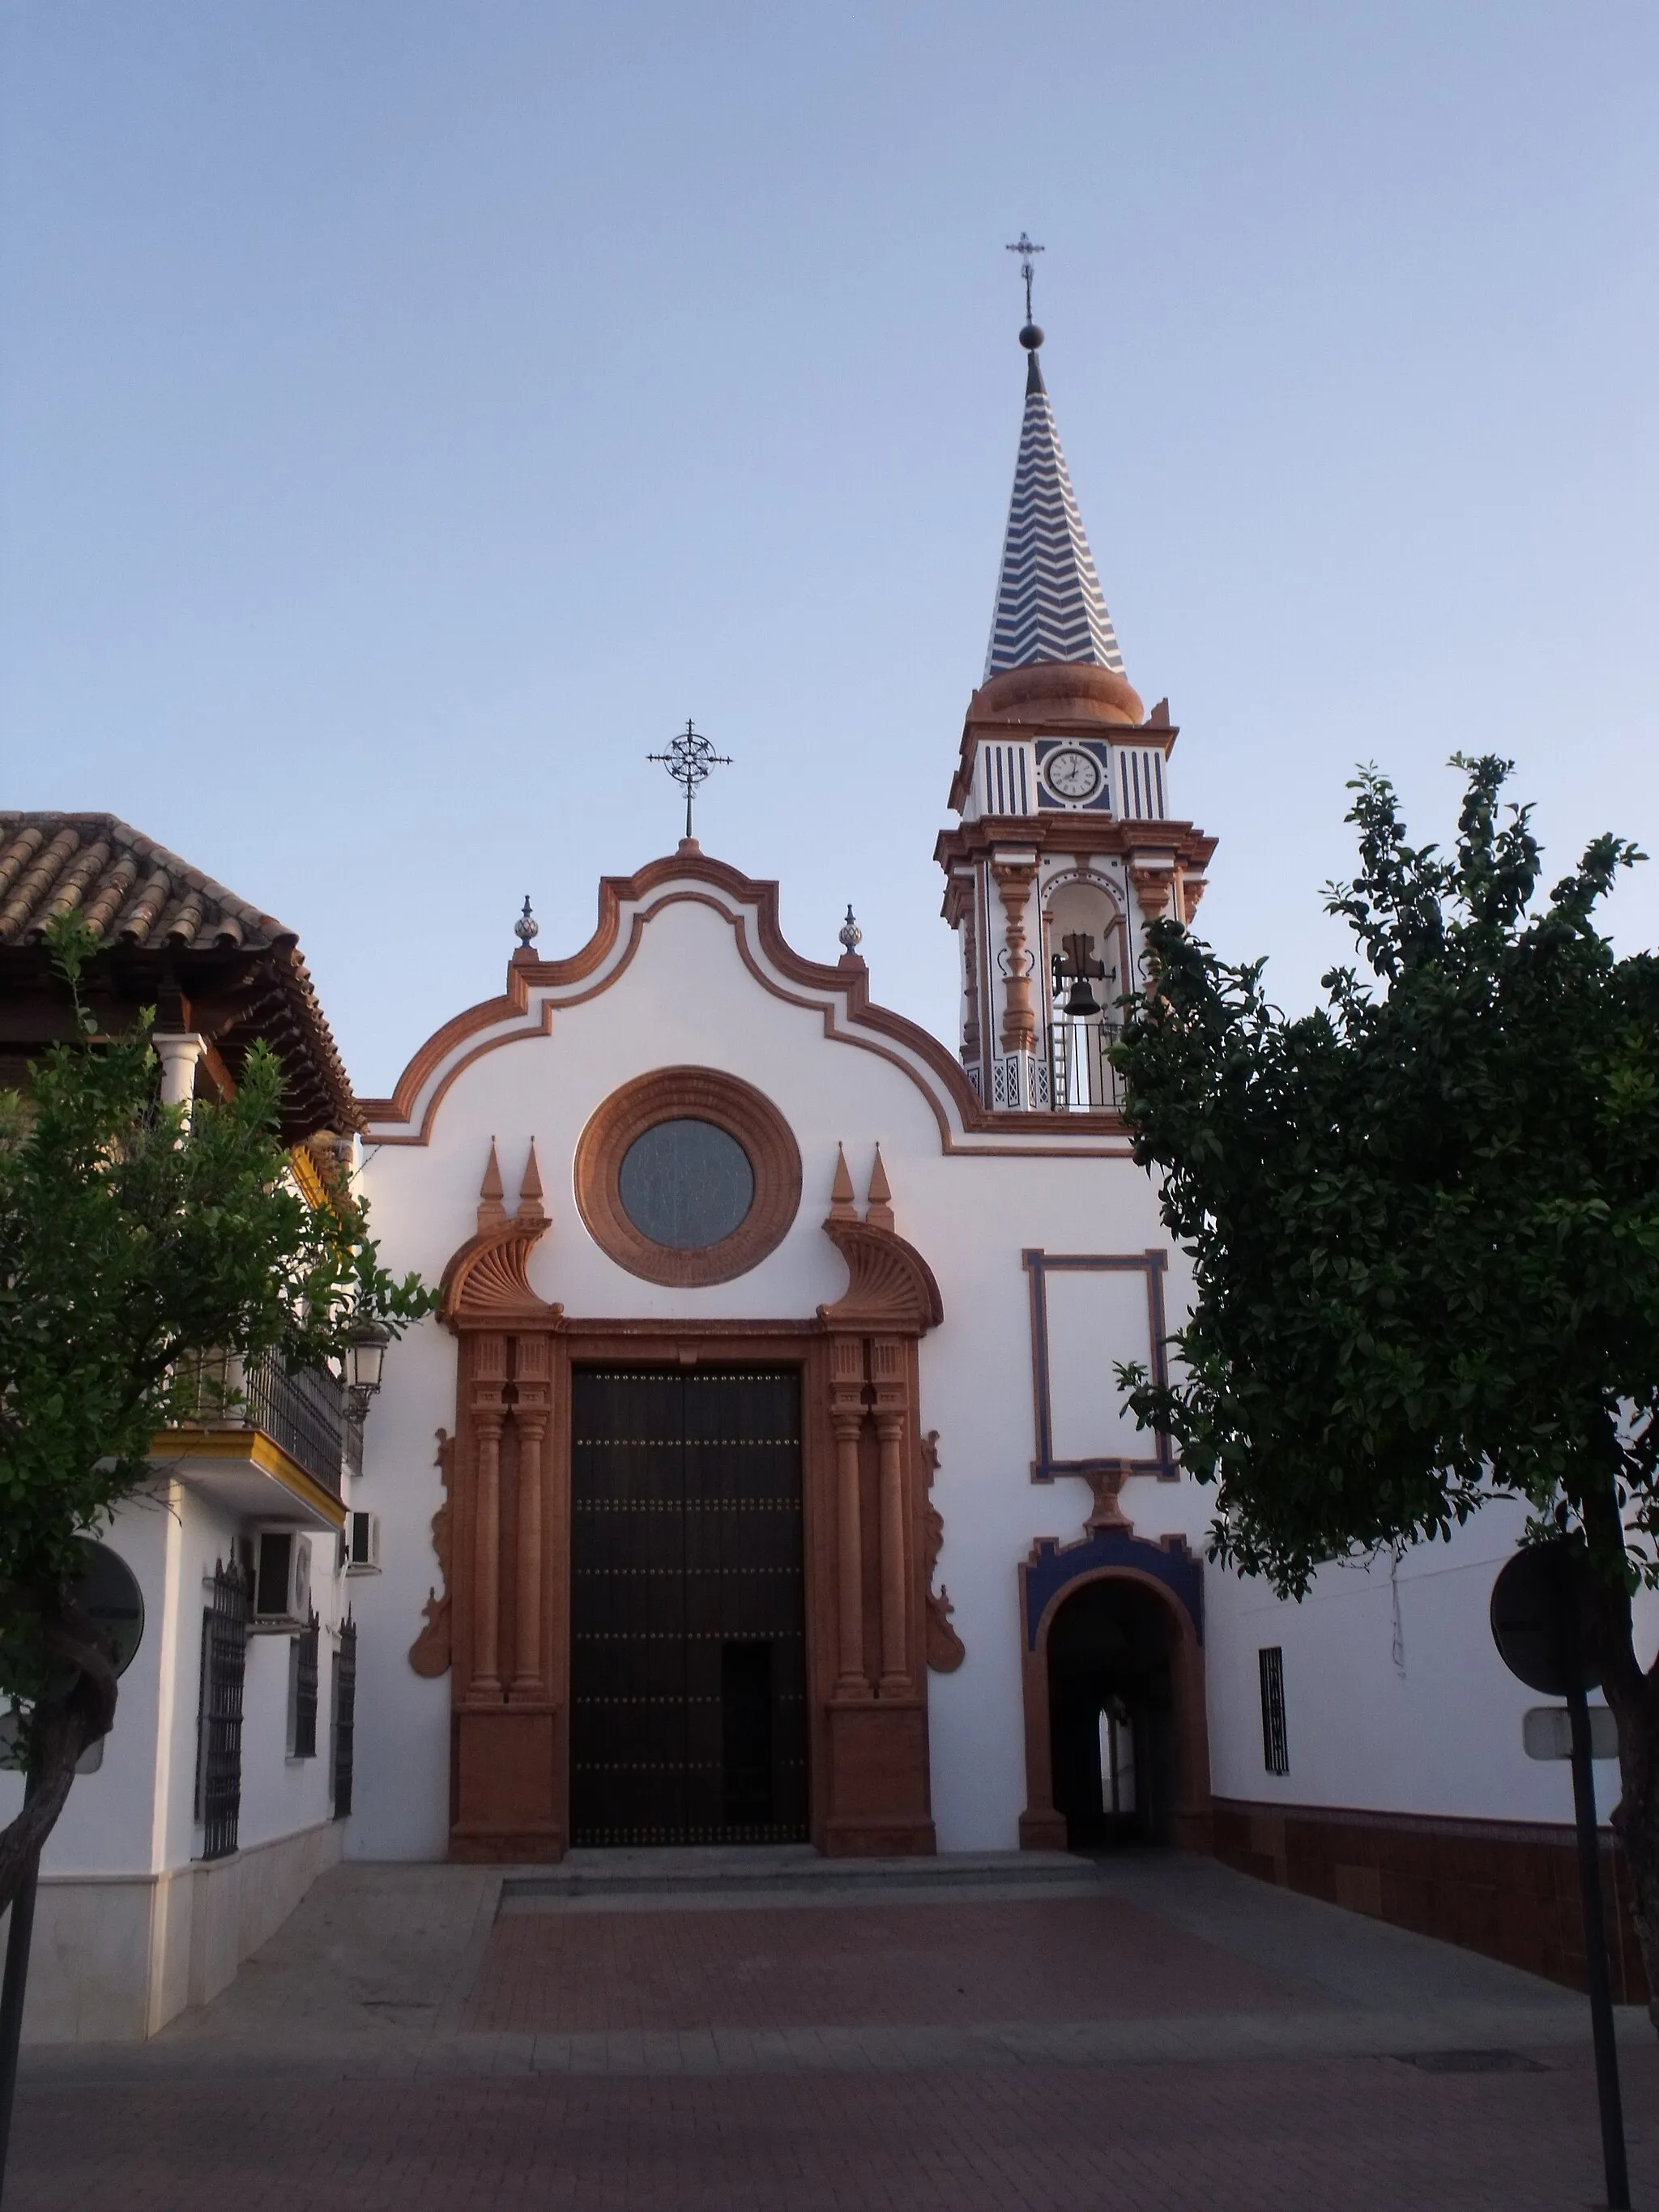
(1072, 773)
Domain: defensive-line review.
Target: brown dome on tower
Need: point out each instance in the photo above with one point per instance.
(1058, 691)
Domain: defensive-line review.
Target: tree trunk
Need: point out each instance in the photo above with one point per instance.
(58, 1728)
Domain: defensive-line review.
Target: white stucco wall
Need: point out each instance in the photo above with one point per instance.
(687, 997)
(1436, 1730)
(1442, 1737)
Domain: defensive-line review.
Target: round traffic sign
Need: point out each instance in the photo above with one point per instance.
(1542, 1611)
(108, 1591)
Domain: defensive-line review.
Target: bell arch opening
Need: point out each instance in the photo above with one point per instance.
(1084, 961)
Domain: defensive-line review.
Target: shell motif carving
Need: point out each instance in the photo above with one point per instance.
(490, 1273)
(890, 1286)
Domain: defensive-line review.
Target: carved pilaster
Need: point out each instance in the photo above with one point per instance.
(894, 1575)
(846, 1420)
(877, 1783)
(530, 1417)
(506, 1783)
(488, 1409)
(1014, 880)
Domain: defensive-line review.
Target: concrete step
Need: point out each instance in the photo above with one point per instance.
(797, 1868)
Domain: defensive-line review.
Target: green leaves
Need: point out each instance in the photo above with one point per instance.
(128, 1242)
(1425, 1219)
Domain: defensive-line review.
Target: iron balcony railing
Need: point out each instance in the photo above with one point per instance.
(1081, 1079)
(304, 1414)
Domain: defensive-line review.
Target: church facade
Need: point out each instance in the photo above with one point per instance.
(765, 1478)
(687, 1168)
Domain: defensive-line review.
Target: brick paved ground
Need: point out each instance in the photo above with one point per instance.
(1183, 2041)
(1047, 1959)
(1278, 2136)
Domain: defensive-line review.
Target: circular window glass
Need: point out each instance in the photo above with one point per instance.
(686, 1184)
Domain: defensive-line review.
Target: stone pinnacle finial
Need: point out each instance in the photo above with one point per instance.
(850, 934)
(530, 1190)
(842, 1207)
(526, 928)
(878, 1213)
(491, 1191)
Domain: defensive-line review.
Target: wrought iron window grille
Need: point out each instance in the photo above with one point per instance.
(303, 1656)
(219, 1713)
(1275, 1753)
(345, 1717)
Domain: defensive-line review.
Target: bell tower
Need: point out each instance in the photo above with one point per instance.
(1068, 840)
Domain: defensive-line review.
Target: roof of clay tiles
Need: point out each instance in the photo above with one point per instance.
(125, 887)
(145, 905)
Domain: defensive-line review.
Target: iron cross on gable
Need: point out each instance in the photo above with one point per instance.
(1025, 247)
(688, 760)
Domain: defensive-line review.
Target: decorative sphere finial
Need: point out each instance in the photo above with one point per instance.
(526, 928)
(849, 933)
(1030, 337)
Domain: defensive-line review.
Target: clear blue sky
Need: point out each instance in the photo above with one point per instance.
(412, 410)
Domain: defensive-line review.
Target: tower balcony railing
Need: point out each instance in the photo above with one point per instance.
(1081, 1078)
(304, 1415)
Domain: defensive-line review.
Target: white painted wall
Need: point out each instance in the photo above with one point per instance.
(688, 997)
(1443, 1737)
(135, 1815)
(1436, 1730)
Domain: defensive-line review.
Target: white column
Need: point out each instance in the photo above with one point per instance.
(179, 1053)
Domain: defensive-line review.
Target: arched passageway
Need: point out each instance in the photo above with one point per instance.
(1111, 1714)
(1116, 1746)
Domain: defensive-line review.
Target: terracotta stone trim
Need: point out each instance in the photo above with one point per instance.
(1507, 1888)
(486, 1282)
(940, 1079)
(890, 1286)
(702, 1094)
(1097, 836)
(509, 1577)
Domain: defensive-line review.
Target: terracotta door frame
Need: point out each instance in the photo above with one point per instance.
(867, 1750)
(504, 1622)
(1042, 1827)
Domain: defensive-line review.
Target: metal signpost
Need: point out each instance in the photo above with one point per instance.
(108, 1591)
(1542, 1615)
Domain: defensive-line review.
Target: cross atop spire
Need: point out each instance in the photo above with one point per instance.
(1050, 604)
(688, 760)
(1025, 248)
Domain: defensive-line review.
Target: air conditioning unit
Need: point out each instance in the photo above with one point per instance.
(359, 1544)
(281, 1578)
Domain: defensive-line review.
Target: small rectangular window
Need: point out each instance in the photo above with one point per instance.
(1275, 1753)
(302, 1667)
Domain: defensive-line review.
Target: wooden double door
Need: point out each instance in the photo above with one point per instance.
(687, 1661)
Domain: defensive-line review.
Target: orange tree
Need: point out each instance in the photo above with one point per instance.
(1424, 1221)
(130, 1238)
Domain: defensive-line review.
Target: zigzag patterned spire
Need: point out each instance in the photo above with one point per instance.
(1050, 604)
